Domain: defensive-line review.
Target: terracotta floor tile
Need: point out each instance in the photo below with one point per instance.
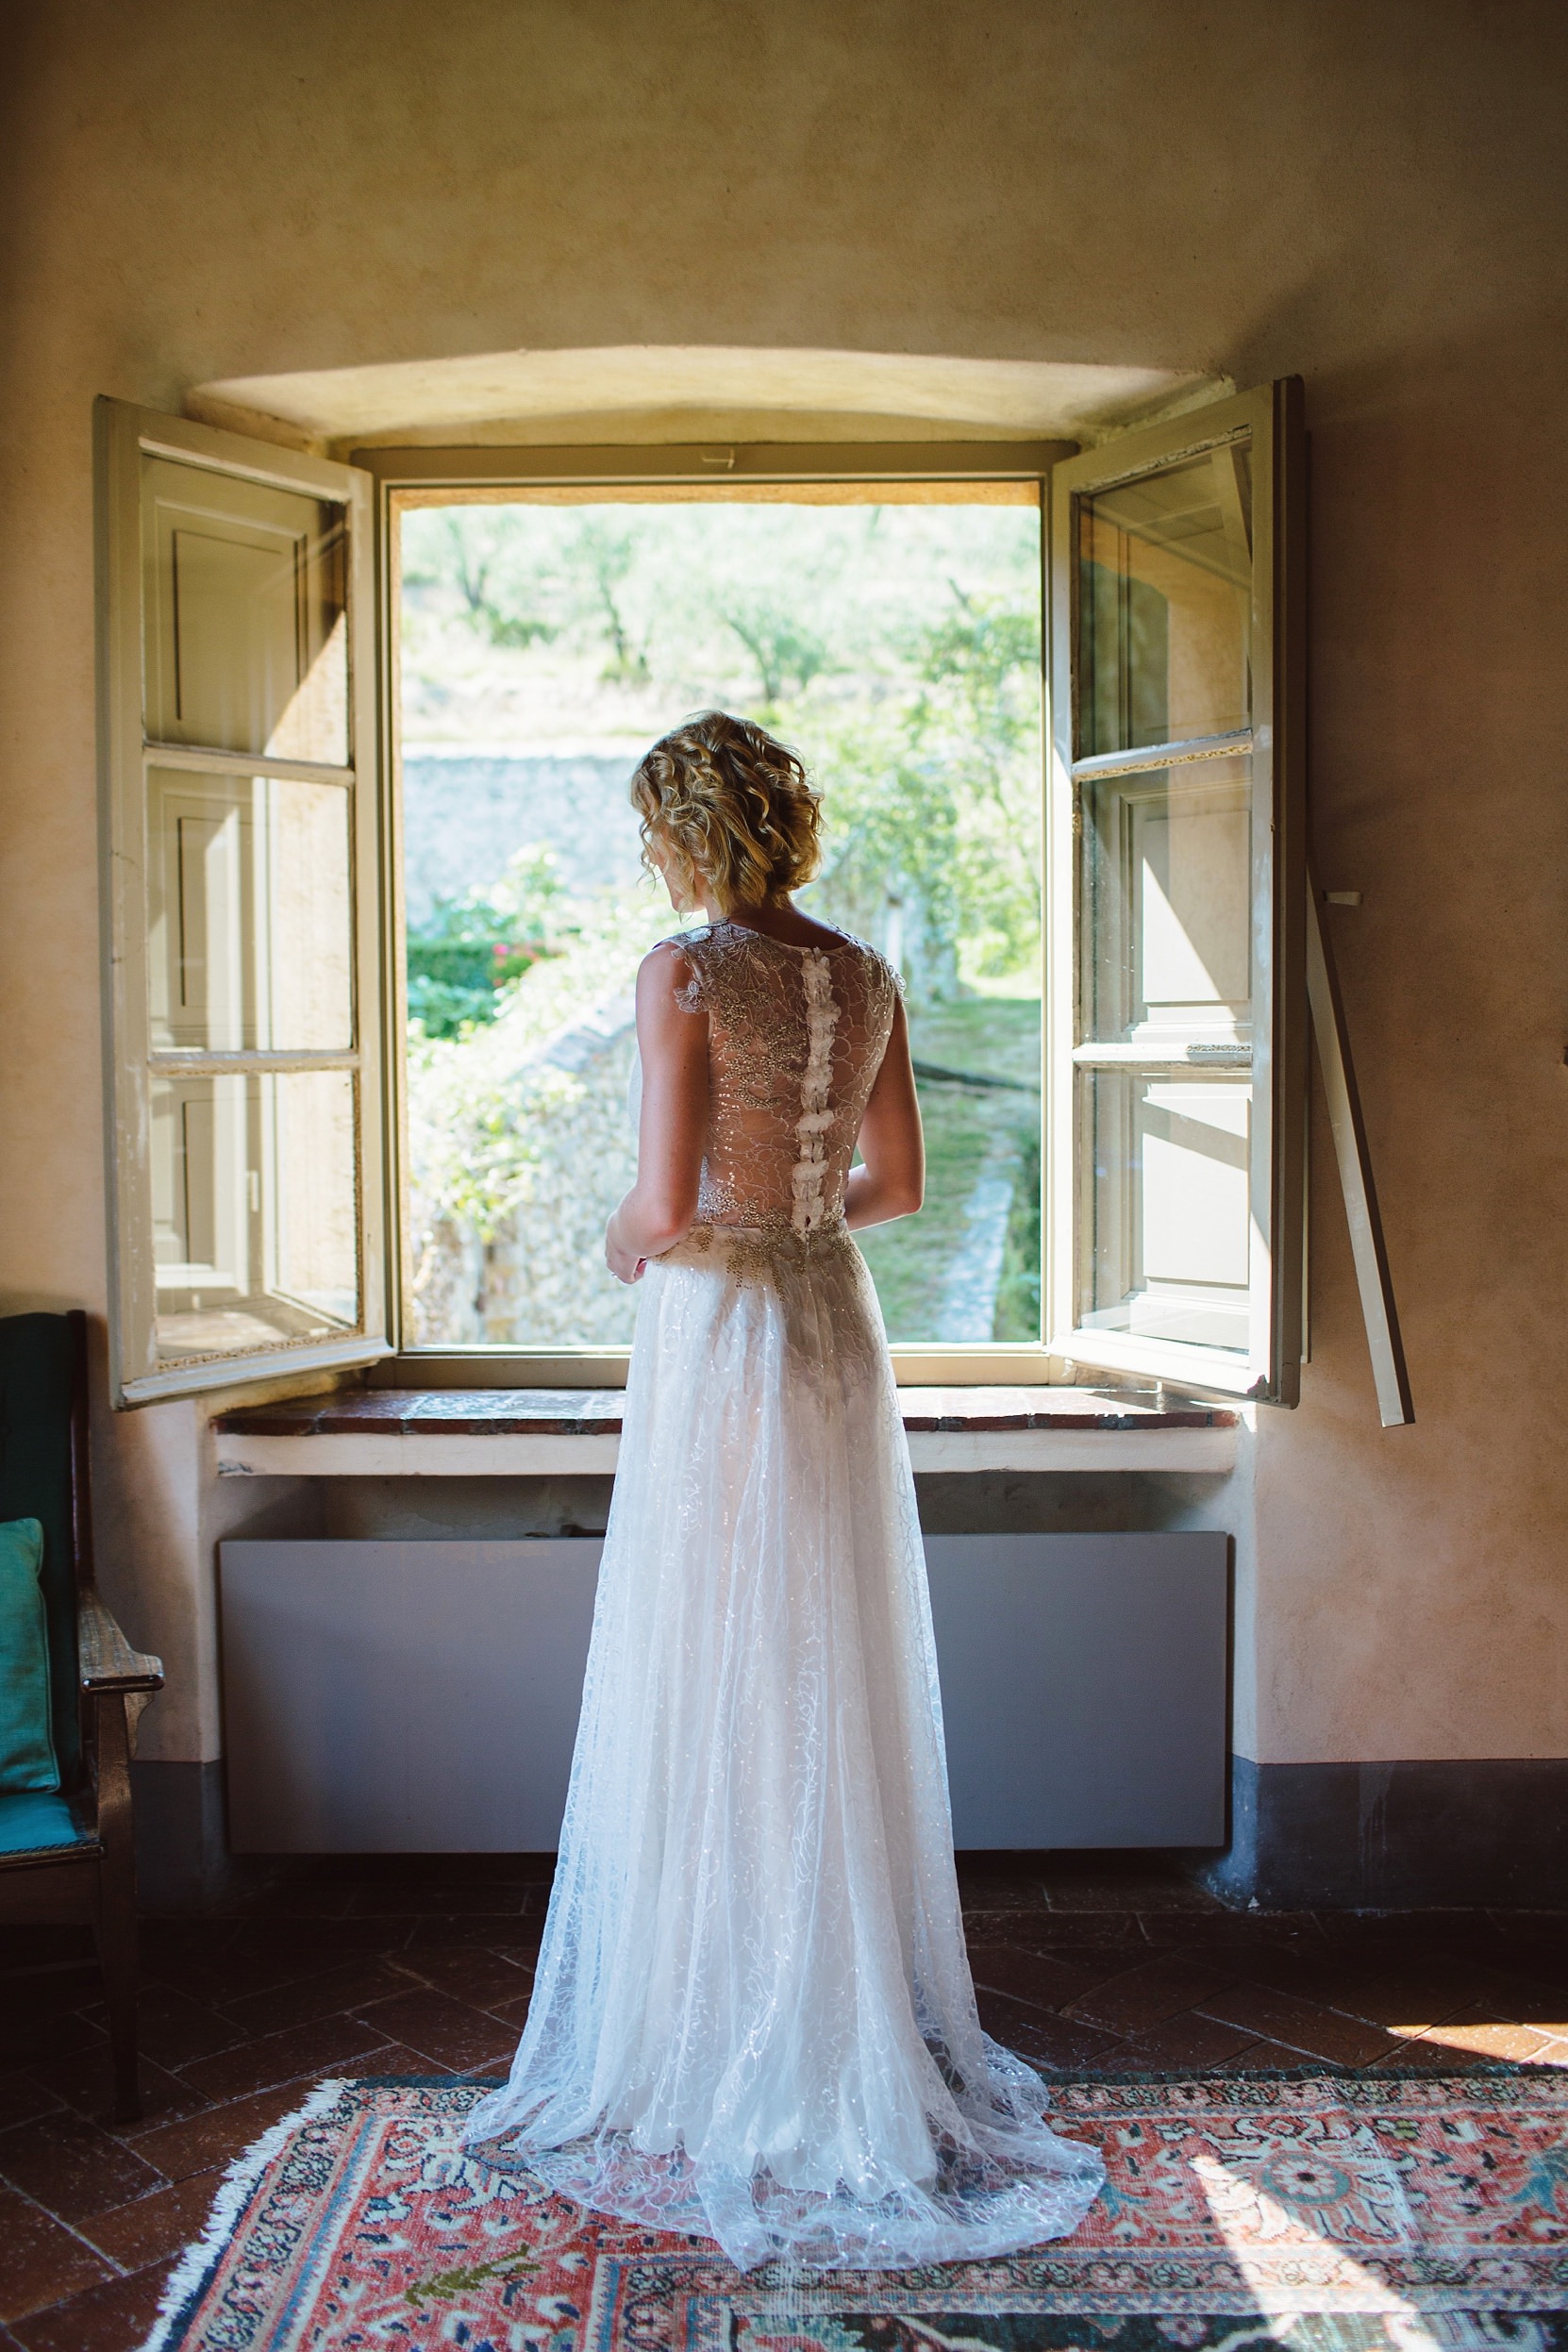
(172, 2029)
(152, 2227)
(991, 1890)
(427, 1874)
(21, 2097)
(1480, 2032)
(325, 1943)
(1243, 1930)
(37, 1945)
(39, 2262)
(111, 2318)
(456, 1902)
(1301, 2025)
(395, 2057)
(1389, 1989)
(467, 1972)
(1145, 1997)
(309, 1997)
(261, 1956)
(218, 2134)
(1096, 1887)
(1047, 2040)
(310, 1902)
(1522, 2000)
(522, 1948)
(1190, 2042)
(503, 1935)
(49, 1992)
(211, 1977)
(1044, 1979)
(85, 2082)
(1423, 2057)
(1276, 2058)
(71, 2168)
(325, 2046)
(449, 2032)
(1067, 1932)
(25, 2038)
(513, 2013)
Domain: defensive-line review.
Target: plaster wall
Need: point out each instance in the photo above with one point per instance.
(1369, 196)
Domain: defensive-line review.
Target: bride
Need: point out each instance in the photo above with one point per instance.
(753, 2018)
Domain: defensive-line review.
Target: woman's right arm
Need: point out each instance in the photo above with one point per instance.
(893, 1181)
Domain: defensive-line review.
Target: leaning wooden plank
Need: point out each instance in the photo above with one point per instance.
(1378, 1311)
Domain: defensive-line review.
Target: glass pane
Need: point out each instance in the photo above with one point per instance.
(247, 632)
(1168, 1229)
(250, 916)
(1165, 905)
(254, 1187)
(1164, 606)
(542, 647)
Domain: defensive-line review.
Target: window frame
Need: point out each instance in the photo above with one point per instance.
(123, 437)
(482, 470)
(1272, 417)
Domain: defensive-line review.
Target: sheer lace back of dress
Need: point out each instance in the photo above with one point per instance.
(796, 1036)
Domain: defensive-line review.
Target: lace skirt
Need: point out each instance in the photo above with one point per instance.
(753, 2018)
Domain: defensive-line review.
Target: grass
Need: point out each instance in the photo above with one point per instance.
(964, 1127)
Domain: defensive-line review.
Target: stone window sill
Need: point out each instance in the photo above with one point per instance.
(542, 1432)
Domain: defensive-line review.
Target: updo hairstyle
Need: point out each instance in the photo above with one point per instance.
(734, 808)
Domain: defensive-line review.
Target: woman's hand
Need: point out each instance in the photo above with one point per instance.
(622, 1261)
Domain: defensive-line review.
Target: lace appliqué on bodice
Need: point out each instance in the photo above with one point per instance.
(796, 1036)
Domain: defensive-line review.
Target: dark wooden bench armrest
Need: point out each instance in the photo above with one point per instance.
(106, 1661)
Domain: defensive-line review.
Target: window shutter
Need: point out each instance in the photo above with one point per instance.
(242, 880)
(1176, 900)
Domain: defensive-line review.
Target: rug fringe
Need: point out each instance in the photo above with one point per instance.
(234, 2193)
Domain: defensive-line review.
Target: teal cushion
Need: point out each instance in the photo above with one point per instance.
(28, 1758)
(33, 1823)
(36, 1354)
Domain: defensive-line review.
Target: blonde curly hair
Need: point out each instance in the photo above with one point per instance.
(732, 805)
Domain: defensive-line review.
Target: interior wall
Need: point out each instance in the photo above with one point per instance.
(1372, 197)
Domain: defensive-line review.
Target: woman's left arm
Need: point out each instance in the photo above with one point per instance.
(672, 1123)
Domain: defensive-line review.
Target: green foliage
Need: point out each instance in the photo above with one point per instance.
(468, 952)
(899, 647)
(1018, 1292)
(789, 654)
(484, 553)
(601, 556)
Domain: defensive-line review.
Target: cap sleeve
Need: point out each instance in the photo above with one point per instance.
(691, 996)
(677, 955)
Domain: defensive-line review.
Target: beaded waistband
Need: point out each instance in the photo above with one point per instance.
(772, 1232)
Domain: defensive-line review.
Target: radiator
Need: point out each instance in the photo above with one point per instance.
(422, 1697)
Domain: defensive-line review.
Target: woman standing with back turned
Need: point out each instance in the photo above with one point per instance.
(753, 2018)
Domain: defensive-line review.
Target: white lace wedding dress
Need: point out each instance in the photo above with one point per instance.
(753, 2018)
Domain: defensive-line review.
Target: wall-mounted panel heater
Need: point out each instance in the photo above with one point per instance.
(422, 1697)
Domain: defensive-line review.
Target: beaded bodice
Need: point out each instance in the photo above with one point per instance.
(796, 1037)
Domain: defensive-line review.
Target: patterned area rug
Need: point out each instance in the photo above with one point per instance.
(1360, 2213)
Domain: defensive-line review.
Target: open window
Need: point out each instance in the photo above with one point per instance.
(241, 972)
(314, 980)
(553, 612)
(1177, 902)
